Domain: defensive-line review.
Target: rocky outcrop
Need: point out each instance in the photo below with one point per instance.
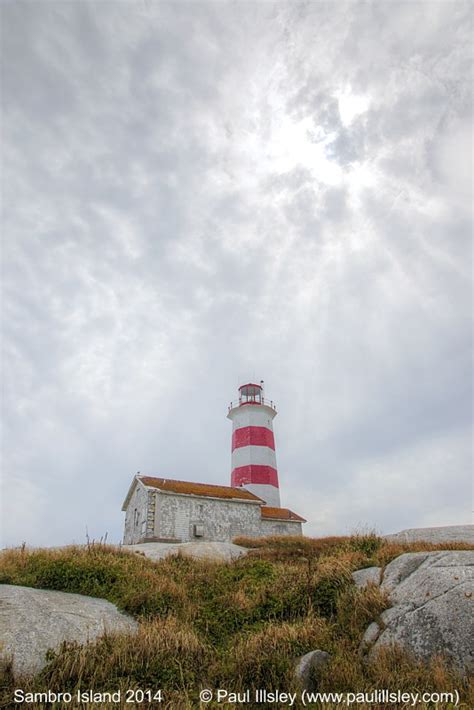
(432, 597)
(218, 551)
(35, 620)
(449, 533)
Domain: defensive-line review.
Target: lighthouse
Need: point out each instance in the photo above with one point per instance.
(164, 509)
(253, 444)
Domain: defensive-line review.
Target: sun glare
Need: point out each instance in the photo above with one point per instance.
(351, 105)
(294, 143)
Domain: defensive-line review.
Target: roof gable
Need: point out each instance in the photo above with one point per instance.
(130, 492)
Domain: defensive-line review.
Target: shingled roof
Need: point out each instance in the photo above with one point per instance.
(280, 514)
(199, 489)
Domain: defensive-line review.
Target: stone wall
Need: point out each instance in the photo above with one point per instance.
(136, 516)
(217, 520)
(280, 527)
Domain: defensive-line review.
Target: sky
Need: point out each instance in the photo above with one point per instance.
(198, 194)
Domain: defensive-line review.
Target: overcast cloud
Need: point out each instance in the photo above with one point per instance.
(195, 194)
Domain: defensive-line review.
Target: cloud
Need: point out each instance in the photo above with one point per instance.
(193, 195)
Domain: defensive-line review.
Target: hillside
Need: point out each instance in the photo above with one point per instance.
(237, 625)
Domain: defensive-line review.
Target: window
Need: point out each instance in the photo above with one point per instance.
(198, 530)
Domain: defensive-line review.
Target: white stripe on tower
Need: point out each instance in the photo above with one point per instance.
(253, 444)
(258, 455)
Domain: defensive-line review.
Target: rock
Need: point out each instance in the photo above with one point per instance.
(219, 551)
(403, 567)
(362, 577)
(34, 620)
(371, 635)
(448, 533)
(308, 666)
(432, 597)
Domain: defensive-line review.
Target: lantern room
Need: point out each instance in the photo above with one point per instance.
(251, 394)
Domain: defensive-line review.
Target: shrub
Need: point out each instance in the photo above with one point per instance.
(368, 543)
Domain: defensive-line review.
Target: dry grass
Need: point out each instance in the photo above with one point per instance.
(374, 550)
(265, 658)
(395, 670)
(238, 625)
(357, 608)
(164, 652)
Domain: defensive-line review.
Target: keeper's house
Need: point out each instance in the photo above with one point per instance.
(163, 510)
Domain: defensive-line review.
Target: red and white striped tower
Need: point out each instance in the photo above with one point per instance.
(253, 445)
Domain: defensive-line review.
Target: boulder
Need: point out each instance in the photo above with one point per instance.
(35, 620)
(447, 533)
(218, 551)
(372, 633)
(432, 597)
(308, 666)
(362, 577)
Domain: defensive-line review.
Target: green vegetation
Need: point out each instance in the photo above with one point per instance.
(237, 626)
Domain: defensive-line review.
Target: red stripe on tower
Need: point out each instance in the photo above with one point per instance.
(253, 436)
(253, 473)
(253, 444)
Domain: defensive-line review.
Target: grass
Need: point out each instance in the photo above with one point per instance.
(239, 625)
